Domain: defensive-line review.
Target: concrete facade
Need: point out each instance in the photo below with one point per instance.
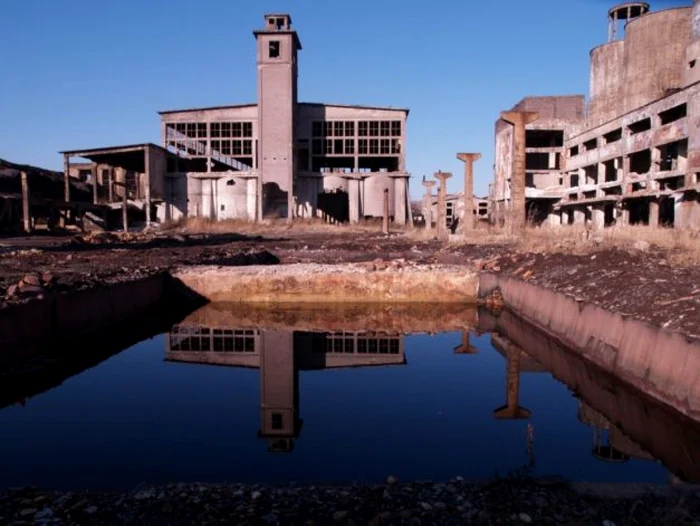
(279, 157)
(633, 155)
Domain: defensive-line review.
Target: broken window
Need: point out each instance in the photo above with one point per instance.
(317, 147)
(673, 114)
(328, 146)
(317, 129)
(573, 151)
(544, 138)
(236, 129)
(385, 128)
(226, 147)
(350, 146)
(395, 146)
(247, 129)
(537, 161)
(247, 147)
(374, 129)
(215, 146)
(374, 146)
(349, 128)
(385, 146)
(338, 146)
(274, 49)
(529, 180)
(673, 156)
(640, 162)
(591, 144)
(591, 174)
(613, 136)
(640, 126)
(573, 180)
(362, 146)
(396, 128)
(338, 128)
(215, 129)
(610, 170)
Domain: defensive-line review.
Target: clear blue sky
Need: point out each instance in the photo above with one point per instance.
(81, 74)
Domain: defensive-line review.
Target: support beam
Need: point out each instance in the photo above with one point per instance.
(579, 216)
(598, 216)
(653, 213)
(147, 175)
(110, 179)
(354, 200)
(26, 212)
(400, 200)
(66, 177)
(465, 347)
(442, 177)
(512, 411)
(468, 159)
(519, 119)
(94, 183)
(428, 203)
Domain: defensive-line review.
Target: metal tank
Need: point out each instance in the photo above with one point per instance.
(691, 68)
(606, 81)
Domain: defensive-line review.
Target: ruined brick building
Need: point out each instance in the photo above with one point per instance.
(633, 155)
(274, 158)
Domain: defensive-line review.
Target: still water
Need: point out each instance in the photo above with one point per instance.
(218, 399)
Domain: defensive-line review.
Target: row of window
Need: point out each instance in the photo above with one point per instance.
(335, 345)
(244, 147)
(364, 147)
(364, 128)
(198, 130)
(217, 340)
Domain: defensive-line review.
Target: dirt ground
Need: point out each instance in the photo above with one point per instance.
(645, 282)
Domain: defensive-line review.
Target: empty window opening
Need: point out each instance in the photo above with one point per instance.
(611, 170)
(589, 195)
(674, 114)
(674, 183)
(613, 136)
(274, 49)
(667, 212)
(544, 138)
(230, 182)
(639, 211)
(615, 190)
(691, 64)
(277, 421)
(640, 126)
(591, 174)
(529, 180)
(640, 162)
(591, 145)
(673, 156)
(574, 180)
(609, 211)
(280, 23)
(541, 161)
(573, 151)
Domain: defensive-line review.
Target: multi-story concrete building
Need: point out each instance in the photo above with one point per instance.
(634, 156)
(274, 158)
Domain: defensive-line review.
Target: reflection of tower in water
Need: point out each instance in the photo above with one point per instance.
(280, 355)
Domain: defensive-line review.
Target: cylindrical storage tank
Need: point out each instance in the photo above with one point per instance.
(655, 46)
(374, 195)
(692, 53)
(606, 81)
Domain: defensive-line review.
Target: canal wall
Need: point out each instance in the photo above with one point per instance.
(315, 283)
(663, 364)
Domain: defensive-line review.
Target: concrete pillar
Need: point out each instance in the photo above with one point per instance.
(554, 218)
(465, 347)
(66, 178)
(148, 175)
(442, 178)
(579, 216)
(428, 204)
(598, 216)
(512, 411)
(110, 178)
(251, 198)
(468, 159)
(385, 218)
(519, 119)
(354, 200)
(125, 215)
(653, 213)
(400, 200)
(26, 212)
(94, 183)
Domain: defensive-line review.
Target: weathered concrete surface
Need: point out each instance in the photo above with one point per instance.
(403, 318)
(663, 364)
(300, 283)
(672, 439)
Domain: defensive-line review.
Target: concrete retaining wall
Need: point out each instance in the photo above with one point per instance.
(330, 284)
(65, 316)
(663, 364)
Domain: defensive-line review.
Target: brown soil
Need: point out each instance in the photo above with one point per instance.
(645, 284)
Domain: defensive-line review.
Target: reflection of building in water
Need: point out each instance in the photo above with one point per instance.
(280, 355)
(465, 347)
(610, 444)
(516, 358)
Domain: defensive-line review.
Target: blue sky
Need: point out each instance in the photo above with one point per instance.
(80, 74)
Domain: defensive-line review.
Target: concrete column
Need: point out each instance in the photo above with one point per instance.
(251, 198)
(94, 183)
(385, 218)
(554, 218)
(66, 178)
(519, 119)
(354, 200)
(428, 203)
(442, 177)
(468, 159)
(598, 216)
(110, 178)
(147, 175)
(400, 200)
(26, 213)
(465, 347)
(579, 216)
(623, 217)
(653, 213)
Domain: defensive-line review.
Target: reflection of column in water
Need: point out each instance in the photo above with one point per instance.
(530, 444)
(465, 347)
(512, 411)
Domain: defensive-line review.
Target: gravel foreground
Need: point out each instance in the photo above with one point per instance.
(502, 501)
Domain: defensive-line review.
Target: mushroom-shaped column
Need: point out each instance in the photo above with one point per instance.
(519, 119)
(428, 203)
(468, 159)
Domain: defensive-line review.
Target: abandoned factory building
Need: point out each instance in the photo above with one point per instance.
(274, 158)
(632, 156)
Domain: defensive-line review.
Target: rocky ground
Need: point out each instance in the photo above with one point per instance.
(515, 500)
(641, 281)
